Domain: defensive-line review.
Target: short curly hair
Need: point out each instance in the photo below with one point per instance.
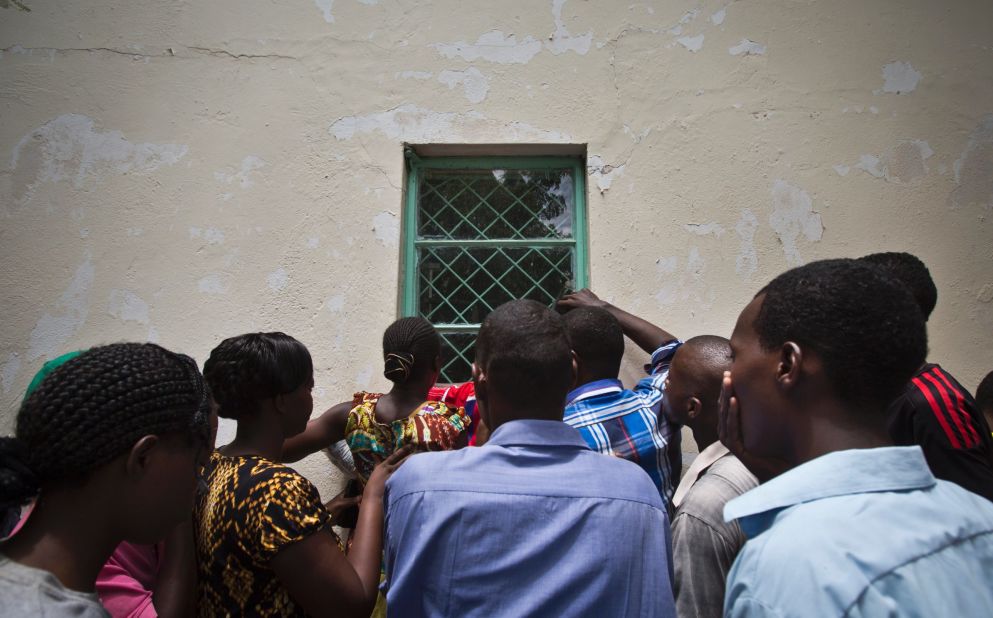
(910, 271)
(597, 339)
(863, 324)
(94, 407)
(524, 348)
(244, 370)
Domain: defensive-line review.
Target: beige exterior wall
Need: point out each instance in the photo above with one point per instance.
(185, 171)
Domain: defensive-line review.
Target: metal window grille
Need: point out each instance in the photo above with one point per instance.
(480, 232)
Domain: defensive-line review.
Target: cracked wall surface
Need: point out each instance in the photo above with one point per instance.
(181, 172)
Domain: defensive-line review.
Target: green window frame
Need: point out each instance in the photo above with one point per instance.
(478, 231)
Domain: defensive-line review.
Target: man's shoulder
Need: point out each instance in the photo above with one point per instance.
(497, 470)
(894, 529)
(729, 472)
(427, 465)
(726, 479)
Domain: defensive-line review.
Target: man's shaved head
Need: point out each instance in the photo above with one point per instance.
(694, 382)
(711, 355)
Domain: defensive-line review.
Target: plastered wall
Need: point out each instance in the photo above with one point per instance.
(184, 171)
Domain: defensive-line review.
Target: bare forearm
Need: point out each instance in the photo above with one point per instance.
(303, 444)
(175, 586)
(366, 552)
(643, 333)
(320, 433)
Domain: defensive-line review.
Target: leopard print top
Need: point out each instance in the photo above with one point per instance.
(251, 509)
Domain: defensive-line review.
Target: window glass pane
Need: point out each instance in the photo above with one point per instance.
(461, 285)
(495, 204)
(457, 353)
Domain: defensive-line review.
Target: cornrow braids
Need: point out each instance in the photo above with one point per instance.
(246, 369)
(93, 408)
(410, 346)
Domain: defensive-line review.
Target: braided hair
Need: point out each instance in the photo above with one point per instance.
(243, 371)
(410, 346)
(93, 408)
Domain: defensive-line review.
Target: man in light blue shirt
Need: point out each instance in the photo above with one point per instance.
(844, 524)
(534, 523)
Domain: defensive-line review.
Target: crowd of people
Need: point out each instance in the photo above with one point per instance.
(839, 472)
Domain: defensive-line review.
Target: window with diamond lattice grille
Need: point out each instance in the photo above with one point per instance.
(480, 232)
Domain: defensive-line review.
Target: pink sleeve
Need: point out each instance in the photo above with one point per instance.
(125, 581)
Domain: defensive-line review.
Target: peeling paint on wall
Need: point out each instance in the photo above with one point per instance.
(406, 122)
(364, 378)
(410, 123)
(421, 75)
(692, 43)
(602, 173)
(666, 267)
(718, 18)
(278, 280)
(793, 216)
(870, 165)
(903, 163)
(335, 304)
(561, 40)
(747, 261)
(900, 78)
(213, 284)
(494, 46)
(53, 330)
(474, 84)
(325, 6)
(127, 306)
(747, 48)
(974, 169)
(687, 285)
(386, 225)
(212, 235)
(70, 148)
(243, 176)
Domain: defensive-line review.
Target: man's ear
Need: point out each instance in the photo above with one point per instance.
(693, 407)
(436, 366)
(482, 395)
(479, 383)
(139, 457)
(790, 364)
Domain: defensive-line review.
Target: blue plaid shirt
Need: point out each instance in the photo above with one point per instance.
(628, 423)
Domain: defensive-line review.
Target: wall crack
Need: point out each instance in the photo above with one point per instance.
(169, 52)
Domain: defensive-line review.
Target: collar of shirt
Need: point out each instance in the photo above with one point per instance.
(592, 389)
(841, 473)
(703, 461)
(537, 434)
